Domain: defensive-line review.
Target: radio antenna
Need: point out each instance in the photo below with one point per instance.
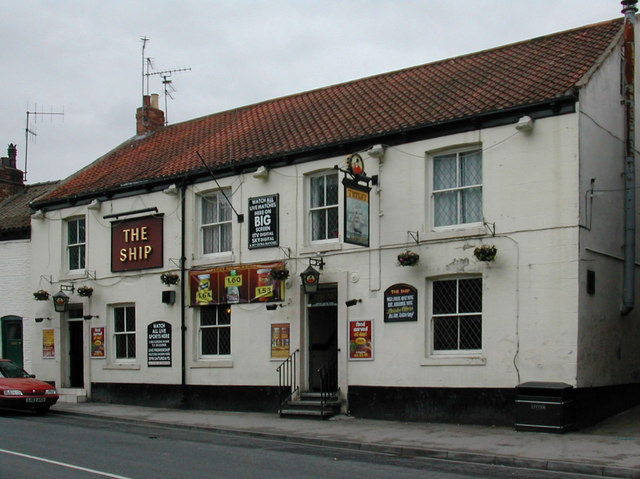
(28, 131)
(168, 87)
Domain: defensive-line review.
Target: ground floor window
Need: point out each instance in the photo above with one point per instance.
(215, 331)
(456, 321)
(124, 327)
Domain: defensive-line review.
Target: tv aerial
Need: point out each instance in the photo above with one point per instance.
(28, 132)
(169, 89)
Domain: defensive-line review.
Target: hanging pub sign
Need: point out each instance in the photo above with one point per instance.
(356, 214)
(247, 283)
(136, 244)
(400, 303)
(159, 344)
(263, 221)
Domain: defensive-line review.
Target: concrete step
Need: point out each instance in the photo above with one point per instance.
(72, 395)
(304, 412)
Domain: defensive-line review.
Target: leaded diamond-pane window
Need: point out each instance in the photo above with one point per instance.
(457, 188)
(457, 315)
(215, 330)
(323, 202)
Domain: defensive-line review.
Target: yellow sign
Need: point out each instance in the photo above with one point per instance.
(232, 281)
(204, 296)
(264, 291)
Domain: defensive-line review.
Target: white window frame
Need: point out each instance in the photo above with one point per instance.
(218, 326)
(125, 332)
(458, 189)
(444, 353)
(69, 247)
(325, 207)
(220, 197)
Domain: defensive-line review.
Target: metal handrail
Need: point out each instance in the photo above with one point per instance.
(287, 378)
(328, 383)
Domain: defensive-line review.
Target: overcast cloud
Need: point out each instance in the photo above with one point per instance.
(85, 57)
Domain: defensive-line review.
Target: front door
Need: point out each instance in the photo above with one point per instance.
(322, 312)
(76, 356)
(12, 339)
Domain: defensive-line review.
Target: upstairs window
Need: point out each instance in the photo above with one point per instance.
(76, 243)
(323, 206)
(215, 224)
(457, 188)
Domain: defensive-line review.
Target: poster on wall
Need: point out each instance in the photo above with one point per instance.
(263, 221)
(97, 342)
(361, 339)
(400, 303)
(48, 344)
(247, 283)
(356, 214)
(280, 340)
(159, 344)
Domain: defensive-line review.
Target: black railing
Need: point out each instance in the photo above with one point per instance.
(328, 383)
(288, 378)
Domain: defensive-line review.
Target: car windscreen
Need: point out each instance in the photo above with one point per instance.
(11, 370)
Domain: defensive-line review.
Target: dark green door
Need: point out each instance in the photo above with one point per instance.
(12, 339)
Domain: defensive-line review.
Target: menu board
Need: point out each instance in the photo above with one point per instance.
(400, 303)
(361, 339)
(159, 344)
(97, 342)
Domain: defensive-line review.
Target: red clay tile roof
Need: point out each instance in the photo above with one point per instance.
(520, 74)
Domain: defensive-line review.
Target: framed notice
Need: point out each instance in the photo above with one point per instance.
(97, 342)
(48, 344)
(400, 303)
(280, 340)
(263, 221)
(159, 344)
(361, 339)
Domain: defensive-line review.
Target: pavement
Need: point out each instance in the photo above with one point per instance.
(608, 449)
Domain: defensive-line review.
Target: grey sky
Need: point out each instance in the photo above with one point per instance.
(85, 57)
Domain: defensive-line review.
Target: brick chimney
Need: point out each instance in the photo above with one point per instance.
(11, 179)
(149, 117)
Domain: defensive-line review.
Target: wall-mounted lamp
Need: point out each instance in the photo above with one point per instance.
(310, 276)
(38, 215)
(273, 306)
(87, 317)
(376, 151)
(352, 302)
(261, 173)
(94, 205)
(525, 124)
(171, 190)
(39, 320)
(60, 302)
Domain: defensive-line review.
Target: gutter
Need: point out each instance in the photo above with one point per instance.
(628, 289)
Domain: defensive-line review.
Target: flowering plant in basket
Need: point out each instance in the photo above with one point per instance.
(85, 291)
(408, 258)
(41, 295)
(169, 278)
(485, 252)
(280, 274)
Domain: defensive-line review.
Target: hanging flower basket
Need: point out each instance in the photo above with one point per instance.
(169, 278)
(485, 253)
(408, 258)
(84, 291)
(280, 274)
(41, 295)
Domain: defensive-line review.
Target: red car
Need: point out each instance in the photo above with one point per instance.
(20, 390)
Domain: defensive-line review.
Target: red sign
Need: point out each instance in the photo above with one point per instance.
(361, 339)
(136, 244)
(97, 342)
(248, 283)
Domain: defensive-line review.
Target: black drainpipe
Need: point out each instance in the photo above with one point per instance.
(183, 296)
(628, 293)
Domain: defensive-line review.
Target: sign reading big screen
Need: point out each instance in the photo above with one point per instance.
(137, 243)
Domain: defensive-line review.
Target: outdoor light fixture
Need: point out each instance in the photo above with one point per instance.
(272, 307)
(310, 276)
(60, 302)
(352, 302)
(261, 173)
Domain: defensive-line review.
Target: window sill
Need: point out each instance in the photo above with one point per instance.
(214, 363)
(121, 366)
(222, 258)
(315, 248)
(454, 361)
(453, 232)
